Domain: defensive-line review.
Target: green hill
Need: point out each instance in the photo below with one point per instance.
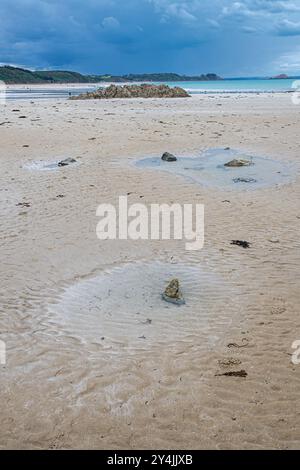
(15, 75)
(61, 77)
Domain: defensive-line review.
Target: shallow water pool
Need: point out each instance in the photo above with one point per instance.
(52, 165)
(208, 169)
(124, 305)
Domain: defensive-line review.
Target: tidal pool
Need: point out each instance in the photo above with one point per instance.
(42, 165)
(124, 305)
(208, 169)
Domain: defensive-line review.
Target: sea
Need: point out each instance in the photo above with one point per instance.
(236, 85)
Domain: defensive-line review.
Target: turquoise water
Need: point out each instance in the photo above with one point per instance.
(237, 86)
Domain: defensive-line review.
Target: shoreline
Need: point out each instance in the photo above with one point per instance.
(91, 86)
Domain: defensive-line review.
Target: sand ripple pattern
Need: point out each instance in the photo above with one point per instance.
(124, 305)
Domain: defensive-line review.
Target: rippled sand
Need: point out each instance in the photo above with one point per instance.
(95, 358)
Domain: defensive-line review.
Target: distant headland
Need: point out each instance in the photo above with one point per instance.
(282, 76)
(15, 75)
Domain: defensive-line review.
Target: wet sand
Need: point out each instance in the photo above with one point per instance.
(134, 384)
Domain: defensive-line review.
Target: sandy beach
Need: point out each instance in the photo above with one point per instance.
(153, 378)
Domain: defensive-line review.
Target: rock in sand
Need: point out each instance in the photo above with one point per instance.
(173, 293)
(66, 162)
(169, 157)
(238, 162)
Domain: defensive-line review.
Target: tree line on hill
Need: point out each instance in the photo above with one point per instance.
(15, 75)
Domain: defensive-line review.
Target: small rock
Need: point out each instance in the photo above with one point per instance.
(173, 293)
(244, 180)
(241, 243)
(238, 162)
(169, 157)
(23, 204)
(66, 162)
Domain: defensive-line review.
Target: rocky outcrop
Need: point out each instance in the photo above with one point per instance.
(134, 91)
(173, 293)
(169, 157)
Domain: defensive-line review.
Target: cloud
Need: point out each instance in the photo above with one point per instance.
(248, 29)
(280, 6)
(288, 28)
(260, 9)
(213, 23)
(289, 62)
(241, 10)
(180, 10)
(110, 22)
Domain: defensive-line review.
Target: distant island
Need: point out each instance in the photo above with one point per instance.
(282, 76)
(14, 76)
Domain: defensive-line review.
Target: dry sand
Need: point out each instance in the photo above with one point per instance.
(62, 387)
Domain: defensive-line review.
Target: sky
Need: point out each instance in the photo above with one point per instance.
(230, 38)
